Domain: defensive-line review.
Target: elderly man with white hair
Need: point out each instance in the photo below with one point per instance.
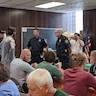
(40, 83)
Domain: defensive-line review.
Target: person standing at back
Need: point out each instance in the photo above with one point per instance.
(36, 46)
(1, 41)
(77, 44)
(62, 49)
(8, 48)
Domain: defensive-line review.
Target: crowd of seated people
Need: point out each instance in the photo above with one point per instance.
(40, 80)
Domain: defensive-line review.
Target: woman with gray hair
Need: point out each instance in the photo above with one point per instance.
(40, 83)
(76, 80)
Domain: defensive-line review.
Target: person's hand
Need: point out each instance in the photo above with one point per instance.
(34, 65)
(45, 49)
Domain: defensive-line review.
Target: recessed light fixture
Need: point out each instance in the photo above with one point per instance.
(50, 5)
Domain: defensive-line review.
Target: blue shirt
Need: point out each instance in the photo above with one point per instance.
(9, 89)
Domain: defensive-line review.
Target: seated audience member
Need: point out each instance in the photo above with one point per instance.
(8, 47)
(59, 67)
(93, 62)
(87, 65)
(7, 86)
(76, 80)
(47, 64)
(59, 84)
(40, 83)
(19, 68)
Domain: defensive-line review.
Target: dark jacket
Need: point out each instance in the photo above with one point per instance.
(62, 46)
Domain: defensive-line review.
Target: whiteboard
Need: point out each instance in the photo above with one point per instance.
(46, 33)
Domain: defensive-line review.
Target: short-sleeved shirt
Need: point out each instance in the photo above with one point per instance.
(36, 46)
(19, 69)
(55, 73)
(9, 88)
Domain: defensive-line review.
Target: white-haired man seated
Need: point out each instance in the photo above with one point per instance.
(20, 68)
(40, 83)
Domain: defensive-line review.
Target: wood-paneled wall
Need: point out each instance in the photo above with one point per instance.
(89, 25)
(19, 18)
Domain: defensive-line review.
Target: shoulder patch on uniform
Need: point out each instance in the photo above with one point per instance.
(39, 40)
(59, 40)
(66, 41)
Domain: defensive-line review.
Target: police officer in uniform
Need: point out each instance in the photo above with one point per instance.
(63, 49)
(36, 46)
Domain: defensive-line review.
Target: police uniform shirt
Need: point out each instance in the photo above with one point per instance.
(62, 46)
(36, 46)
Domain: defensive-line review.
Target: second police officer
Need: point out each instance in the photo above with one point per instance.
(62, 49)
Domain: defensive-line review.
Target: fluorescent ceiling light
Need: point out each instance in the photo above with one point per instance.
(50, 5)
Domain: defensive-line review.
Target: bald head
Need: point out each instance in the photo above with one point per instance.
(25, 55)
